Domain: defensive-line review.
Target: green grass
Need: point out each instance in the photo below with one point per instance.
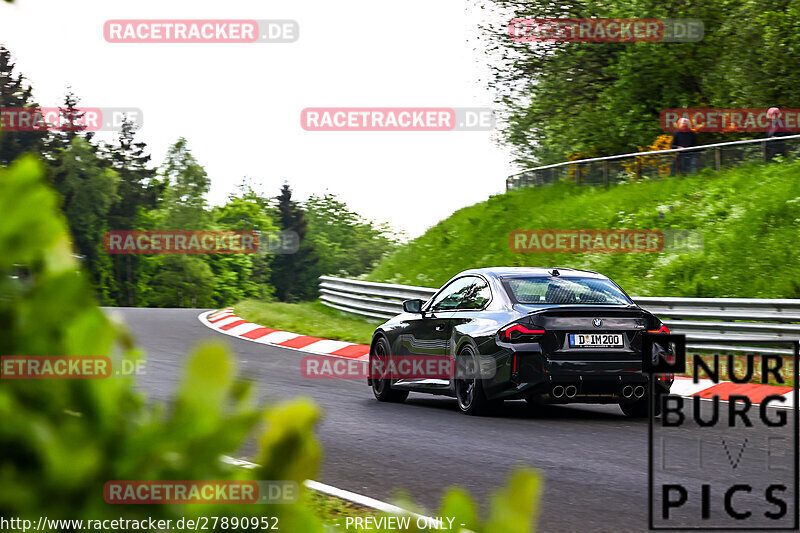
(332, 509)
(308, 318)
(749, 218)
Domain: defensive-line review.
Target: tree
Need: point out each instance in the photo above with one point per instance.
(72, 118)
(174, 280)
(293, 275)
(16, 94)
(87, 189)
(562, 98)
(69, 126)
(186, 184)
(344, 241)
(182, 281)
(137, 191)
(242, 276)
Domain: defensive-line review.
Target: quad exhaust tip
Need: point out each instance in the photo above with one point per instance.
(627, 391)
(638, 391)
(570, 391)
(558, 391)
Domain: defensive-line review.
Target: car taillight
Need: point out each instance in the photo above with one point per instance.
(669, 357)
(517, 332)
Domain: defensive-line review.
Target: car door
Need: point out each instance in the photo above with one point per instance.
(429, 333)
(470, 319)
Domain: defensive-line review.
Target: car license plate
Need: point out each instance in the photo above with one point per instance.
(595, 340)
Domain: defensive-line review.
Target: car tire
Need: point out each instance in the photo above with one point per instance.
(639, 408)
(382, 388)
(469, 392)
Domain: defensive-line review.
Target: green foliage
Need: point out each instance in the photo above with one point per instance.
(182, 281)
(15, 93)
(748, 216)
(205, 280)
(62, 440)
(87, 190)
(137, 192)
(113, 187)
(566, 98)
(332, 509)
(346, 244)
(333, 240)
(184, 204)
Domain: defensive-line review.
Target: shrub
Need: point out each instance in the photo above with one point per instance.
(62, 440)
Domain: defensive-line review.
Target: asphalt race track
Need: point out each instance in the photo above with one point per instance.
(594, 458)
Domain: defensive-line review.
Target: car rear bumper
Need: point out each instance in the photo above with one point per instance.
(595, 380)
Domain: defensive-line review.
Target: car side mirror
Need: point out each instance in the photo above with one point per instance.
(412, 306)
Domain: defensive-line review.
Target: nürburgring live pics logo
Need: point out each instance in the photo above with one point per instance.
(724, 464)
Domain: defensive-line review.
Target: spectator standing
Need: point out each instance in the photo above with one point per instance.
(684, 137)
(776, 129)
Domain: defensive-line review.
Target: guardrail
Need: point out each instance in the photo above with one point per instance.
(721, 320)
(376, 300)
(656, 164)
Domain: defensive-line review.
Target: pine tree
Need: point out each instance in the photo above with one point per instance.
(16, 94)
(294, 275)
(71, 125)
(137, 191)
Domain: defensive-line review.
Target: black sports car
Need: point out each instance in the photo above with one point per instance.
(554, 335)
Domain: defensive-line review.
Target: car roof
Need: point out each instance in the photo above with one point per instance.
(515, 272)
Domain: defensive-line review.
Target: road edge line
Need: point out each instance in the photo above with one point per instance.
(342, 494)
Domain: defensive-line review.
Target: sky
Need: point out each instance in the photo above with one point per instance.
(239, 105)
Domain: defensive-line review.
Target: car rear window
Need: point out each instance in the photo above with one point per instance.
(565, 290)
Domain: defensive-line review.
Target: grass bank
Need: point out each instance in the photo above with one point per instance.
(749, 219)
(308, 318)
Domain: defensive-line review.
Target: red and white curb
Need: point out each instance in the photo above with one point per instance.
(227, 322)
